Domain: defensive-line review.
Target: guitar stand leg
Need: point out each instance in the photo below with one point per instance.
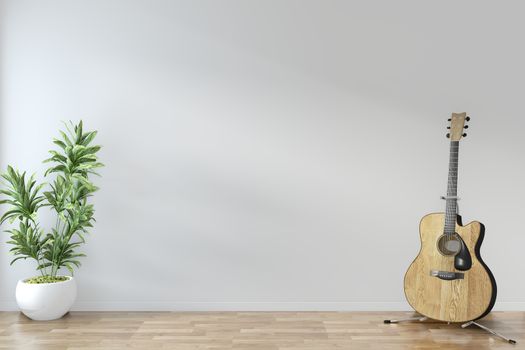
(512, 341)
(418, 318)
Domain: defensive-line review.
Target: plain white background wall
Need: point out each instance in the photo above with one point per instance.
(270, 154)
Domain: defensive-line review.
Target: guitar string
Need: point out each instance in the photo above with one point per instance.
(451, 198)
(450, 191)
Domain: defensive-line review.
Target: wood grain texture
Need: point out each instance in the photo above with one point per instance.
(250, 330)
(456, 126)
(451, 301)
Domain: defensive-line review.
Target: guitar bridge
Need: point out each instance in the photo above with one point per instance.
(447, 275)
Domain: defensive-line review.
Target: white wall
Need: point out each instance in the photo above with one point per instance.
(270, 154)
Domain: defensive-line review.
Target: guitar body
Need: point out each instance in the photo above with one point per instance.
(451, 300)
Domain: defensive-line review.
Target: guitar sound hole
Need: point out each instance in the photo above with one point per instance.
(449, 244)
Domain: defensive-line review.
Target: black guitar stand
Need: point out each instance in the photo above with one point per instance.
(465, 325)
(485, 328)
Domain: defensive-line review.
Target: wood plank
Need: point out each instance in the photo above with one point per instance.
(250, 330)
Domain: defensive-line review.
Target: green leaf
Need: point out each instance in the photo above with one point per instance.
(88, 137)
(16, 259)
(72, 165)
(59, 143)
(66, 138)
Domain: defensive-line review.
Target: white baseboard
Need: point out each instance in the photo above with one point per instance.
(247, 306)
(251, 306)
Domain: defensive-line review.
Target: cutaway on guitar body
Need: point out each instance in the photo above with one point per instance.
(433, 285)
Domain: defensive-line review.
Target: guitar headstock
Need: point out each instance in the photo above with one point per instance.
(457, 126)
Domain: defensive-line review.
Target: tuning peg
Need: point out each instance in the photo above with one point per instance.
(464, 135)
(466, 126)
(448, 136)
(449, 119)
(467, 119)
(448, 127)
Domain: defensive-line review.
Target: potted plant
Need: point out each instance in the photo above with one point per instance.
(55, 249)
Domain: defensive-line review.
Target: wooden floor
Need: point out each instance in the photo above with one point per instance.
(251, 330)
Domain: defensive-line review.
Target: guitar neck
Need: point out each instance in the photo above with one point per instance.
(452, 189)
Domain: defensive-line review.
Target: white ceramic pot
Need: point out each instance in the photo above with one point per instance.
(46, 301)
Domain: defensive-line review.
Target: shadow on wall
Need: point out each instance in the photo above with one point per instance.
(2, 239)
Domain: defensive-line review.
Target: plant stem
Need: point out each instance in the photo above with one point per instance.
(29, 223)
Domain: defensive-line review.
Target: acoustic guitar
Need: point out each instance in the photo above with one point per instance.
(448, 280)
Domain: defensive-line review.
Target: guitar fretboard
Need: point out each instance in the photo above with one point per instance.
(452, 189)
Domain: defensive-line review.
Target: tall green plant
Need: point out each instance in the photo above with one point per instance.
(67, 195)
